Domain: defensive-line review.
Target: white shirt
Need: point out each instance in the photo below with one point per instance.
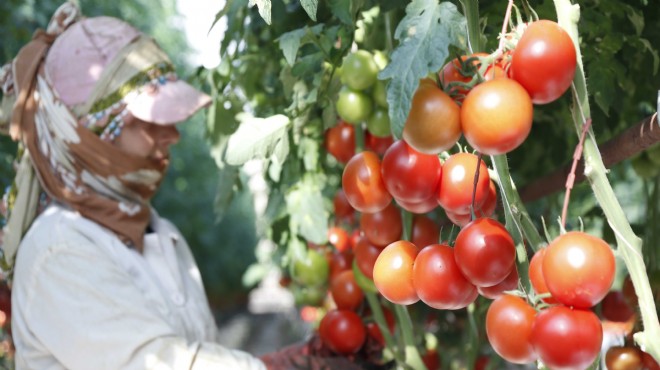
(83, 300)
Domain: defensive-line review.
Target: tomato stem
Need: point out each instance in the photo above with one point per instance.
(570, 180)
(379, 318)
(413, 358)
(474, 186)
(507, 16)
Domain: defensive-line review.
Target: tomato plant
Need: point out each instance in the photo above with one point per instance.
(459, 71)
(393, 272)
(342, 331)
(363, 183)
(509, 324)
(409, 175)
(457, 183)
(382, 227)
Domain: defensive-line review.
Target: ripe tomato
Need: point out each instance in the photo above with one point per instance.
(615, 307)
(496, 116)
(393, 272)
(353, 106)
(338, 237)
(485, 210)
(359, 70)
(422, 207)
(431, 359)
(363, 184)
(433, 124)
(566, 338)
(409, 175)
(424, 231)
(377, 144)
(497, 290)
(460, 71)
(345, 291)
(485, 252)
(341, 205)
(342, 331)
(365, 256)
(312, 270)
(382, 227)
(457, 183)
(339, 261)
(459, 219)
(649, 362)
(624, 358)
(438, 280)
(340, 141)
(379, 123)
(544, 61)
(509, 328)
(536, 275)
(578, 269)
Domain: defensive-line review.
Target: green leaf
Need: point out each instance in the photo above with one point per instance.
(602, 86)
(309, 217)
(425, 34)
(308, 150)
(264, 9)
(290, 43)
(342, 10)
(257, 138)
(654, 53)
(225, 192)
(636, 18)
(254, 274)
(310, 7)
(307, 65)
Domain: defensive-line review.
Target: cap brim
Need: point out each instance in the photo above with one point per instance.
(170, 103)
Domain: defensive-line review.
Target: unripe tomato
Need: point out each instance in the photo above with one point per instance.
(345, 291)
(379, 123)
(380, 94)
(353, 106)
(308, 295)
(312, 270)
(496, 116)
(382, 227)
(409, 175)
(359, 70)
(363, 184)
(457, 183)
(509, 324)
(578, 269)
(342, 331)
(433, 124)
(393, 272)
(544, 61)
(340, 141)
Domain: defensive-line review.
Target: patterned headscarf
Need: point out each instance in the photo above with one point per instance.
(62, 155)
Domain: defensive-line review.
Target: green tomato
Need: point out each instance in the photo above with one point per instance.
(380, 94)
(644, 167)
(312, 270)
(381, 59)
(353, 106)
(359, 70)
(654, 154)
(307, 295)
(379, 123)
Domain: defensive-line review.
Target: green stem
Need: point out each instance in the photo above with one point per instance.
(388, 32)
(379, 317)
(629, 245)
(359, 138)
(407, 219)
(413, 358)
(471, 11)
(473, 346)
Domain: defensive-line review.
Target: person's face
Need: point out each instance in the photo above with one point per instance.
(147, 140)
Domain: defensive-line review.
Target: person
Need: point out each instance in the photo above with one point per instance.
(100, 280)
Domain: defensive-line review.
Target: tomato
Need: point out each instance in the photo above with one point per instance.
(438, 280)
(359, 70)
(649, 362)
(485, 210)
(497, 290)
(624, 358)
(374, 329)
(340, 261)
(460, 71)
(377, 144)
(307, 295)
(424, 231)
(485, 252)
(340, 141)
(409, 175)
(363, 183)
(496, 116)
(365, 256)
(433, 124)
(481, 363)
(345, 291)
(509, 324)
(578, 269)
(566, 338)
(628, 290)
(615, 307)
(536, 275)
(379, 123)
(341, 205)
(380, 94)
(353, 106)
(393, 272)
(355, 236)
(424, 206)
(338, 237)
(382, 227)
(431, 359)
(312, 270)
(544, 61)
(457, 183)
(342, 331)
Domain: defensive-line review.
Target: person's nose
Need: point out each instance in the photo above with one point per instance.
(169, 135)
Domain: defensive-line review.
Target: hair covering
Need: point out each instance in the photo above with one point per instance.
(69, 90)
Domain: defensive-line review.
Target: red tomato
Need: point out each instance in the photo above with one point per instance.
(377, 144)
(438, 280)
(338, 237)
(433, 124)
(355, 236)
(422, 207)
(340, 141)
(341, 205)
(481, 363)
(496, 116)
(497, 290)
(485, 252)
(509, 328)
(544, 61)
(485, 210)
(566, 338)
(536, 276)
(365, 256)
(649, 362)
(340, 261)
(424, 231)
(382, 227)
(578, 269)
(393, 272)
(431, 359)
(624, 358)
(457, 183)
(363, 184)
(459, 219)
(409, 175)
(345, 291)
(615, 307)
(460, 71)
(342, 331)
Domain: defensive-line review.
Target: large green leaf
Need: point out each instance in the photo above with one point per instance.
(310, 7)
(264, 7)
(257, 138)
(291, 41)
(425, 34)
(309, 218)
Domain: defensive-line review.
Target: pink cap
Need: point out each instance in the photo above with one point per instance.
(78, 57)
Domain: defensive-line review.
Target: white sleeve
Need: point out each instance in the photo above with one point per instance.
(86, 311)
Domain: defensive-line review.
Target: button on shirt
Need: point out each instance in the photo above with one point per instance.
(83, 300)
